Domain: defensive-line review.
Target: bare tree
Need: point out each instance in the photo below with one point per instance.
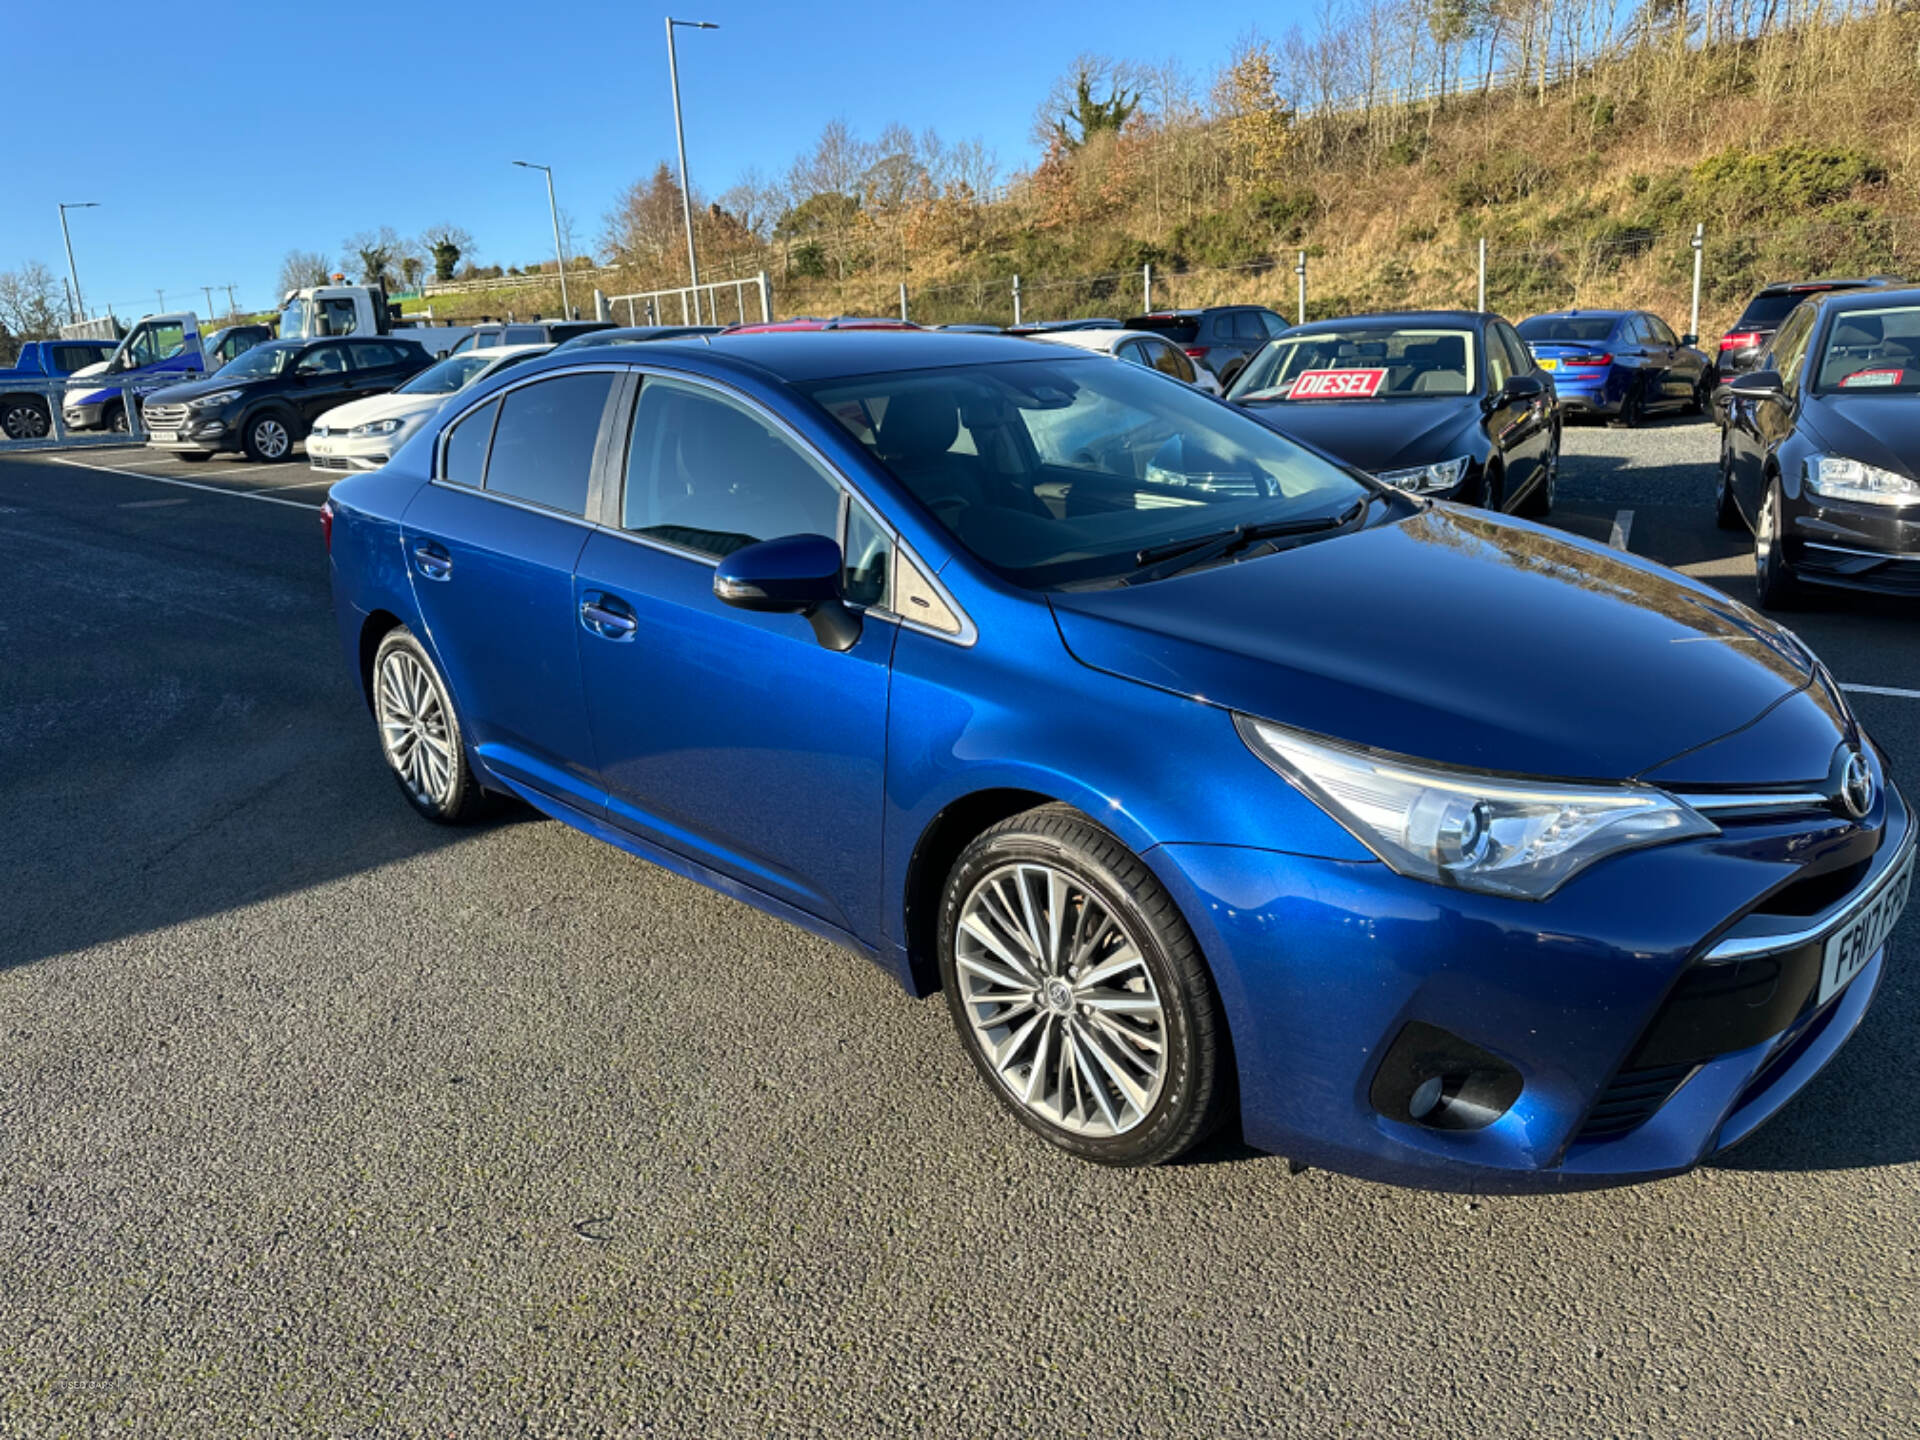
(29, 302)
(446, 245)
(1096, 96)
(377, 253)
(300, 269)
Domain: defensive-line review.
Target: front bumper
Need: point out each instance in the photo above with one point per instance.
(1853, 546)
(1325, 967)
(82, 417)
(344, 454)
(177, 427)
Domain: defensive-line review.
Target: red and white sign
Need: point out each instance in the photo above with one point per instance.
(1864, 379)
(1336, 384)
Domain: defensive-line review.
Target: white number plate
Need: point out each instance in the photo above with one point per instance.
(166, 437)
(1850, 947)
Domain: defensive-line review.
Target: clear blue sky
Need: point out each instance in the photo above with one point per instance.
(218, 136)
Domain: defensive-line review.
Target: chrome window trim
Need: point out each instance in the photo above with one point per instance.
(1757, 802)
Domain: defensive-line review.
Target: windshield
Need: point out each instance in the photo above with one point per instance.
(449, 375)
(1061, 471)
(1360, 364)
(293, 321)
(1872, 351)
(261, 361)
(1567, 329)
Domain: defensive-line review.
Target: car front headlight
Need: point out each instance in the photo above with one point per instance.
(1520, 838)
(213, 401)
(1426, 479)
(377, 427)
(1834, 477)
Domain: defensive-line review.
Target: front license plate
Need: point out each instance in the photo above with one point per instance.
(1851, 946)
(1549, 364)
(166, 437)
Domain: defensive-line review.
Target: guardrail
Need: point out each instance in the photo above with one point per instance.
(698, 304)
(46, 394)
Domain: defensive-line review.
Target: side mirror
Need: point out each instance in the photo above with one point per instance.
(1689, 340)
(1757, 384)
(794, 575)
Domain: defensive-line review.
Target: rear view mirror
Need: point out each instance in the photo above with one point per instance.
(794, 575)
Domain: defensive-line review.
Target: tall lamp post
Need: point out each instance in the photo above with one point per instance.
(566, 310)
(680, 139)
(79, 306)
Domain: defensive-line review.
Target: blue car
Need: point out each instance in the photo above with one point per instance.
(1623, 365)
(1121, 719)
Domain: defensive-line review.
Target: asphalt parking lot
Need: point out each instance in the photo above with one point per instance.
(315, 1119)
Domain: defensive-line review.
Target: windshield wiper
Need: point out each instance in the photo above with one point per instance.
(1159, 561)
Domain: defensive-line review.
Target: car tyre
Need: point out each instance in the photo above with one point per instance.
(1079, 992)
(1702, 397)
(1774, 580)
(1726, 510)
(268, 437)
(1539, 502)
(1631, 411)
(115, 417)
(420, 735)
(25, 419)
(1493, 488)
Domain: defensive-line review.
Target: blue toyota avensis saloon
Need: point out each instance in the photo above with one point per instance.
(1066, 689)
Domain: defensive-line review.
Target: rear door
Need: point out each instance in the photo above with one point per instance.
(378, 366)
(491, 546)
(322, 379)
(735, 739)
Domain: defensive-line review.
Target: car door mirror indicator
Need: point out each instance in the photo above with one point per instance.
(793, 575)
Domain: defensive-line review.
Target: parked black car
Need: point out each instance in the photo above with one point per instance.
(1445, 403)
(1222, 337)
(263, 402)
(1820, 454)
(1760, 321)
(1621, 364)
(527, 332)
(231, 342)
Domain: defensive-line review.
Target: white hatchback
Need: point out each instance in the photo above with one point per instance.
(1137, 347)
(363, 434)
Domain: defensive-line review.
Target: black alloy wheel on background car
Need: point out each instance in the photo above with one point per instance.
(25, 418)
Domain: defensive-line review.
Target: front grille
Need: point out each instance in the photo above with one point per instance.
(1631, 1099)
(331, 462)
(164, 417)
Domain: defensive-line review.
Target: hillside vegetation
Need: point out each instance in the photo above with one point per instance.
(1582, 145)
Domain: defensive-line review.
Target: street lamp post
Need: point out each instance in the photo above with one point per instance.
(79, 306)
(566, 310)
(680, 139)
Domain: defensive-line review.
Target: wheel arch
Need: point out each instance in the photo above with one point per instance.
(375, 628)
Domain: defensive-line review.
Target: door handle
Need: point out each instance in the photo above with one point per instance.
(431, 561)
(607, 617)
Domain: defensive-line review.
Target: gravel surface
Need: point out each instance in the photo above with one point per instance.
(318, 1120)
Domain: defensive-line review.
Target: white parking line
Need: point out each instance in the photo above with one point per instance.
(187, 484)
(1622, 527)
(1883, 690)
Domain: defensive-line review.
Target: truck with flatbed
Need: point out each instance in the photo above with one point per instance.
(27, 391)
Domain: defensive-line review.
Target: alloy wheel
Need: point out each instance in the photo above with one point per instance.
(24, 421)
(413, 728)
(270, 438)
(1764, 547)
(1060, 1000)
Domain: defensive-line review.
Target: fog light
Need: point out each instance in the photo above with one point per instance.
(210, 427)
(1432, 1077)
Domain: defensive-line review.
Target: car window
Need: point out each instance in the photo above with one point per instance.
(1571, 329)
(1247, 326)
(343, 316)
(523, 335)
(1385, 362)
(543, 446)
(1661, 333)
(1517, 351)
(706, 473)
(1872, 351)
(1132, 351)
(1499, 363)
(1181, 329)
(69, 358)
(323, 360)
(368, 355)
(1167, 360)
(868, 574)
(1789, 348)
(465, 459)
(1271, 323)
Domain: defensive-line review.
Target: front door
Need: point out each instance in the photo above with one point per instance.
(735, 739)
(491, 546)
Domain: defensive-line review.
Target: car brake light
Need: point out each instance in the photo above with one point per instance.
(1581, 361)
(1739, 340)
(326, 523)
(1196, 352)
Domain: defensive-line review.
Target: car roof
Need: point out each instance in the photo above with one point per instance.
(1196, 311)
(1592, 314)
(1866, 297)
(1788, 287)
(519, 347)
(1103, 340)
(804, 356)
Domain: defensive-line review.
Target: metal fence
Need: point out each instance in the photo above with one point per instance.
(43, 399)
(712, 302)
